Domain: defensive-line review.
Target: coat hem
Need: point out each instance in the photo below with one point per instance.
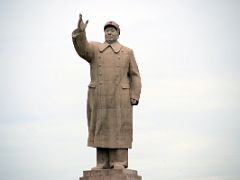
(110, 147)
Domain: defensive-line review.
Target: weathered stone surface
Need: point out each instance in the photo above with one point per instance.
(111, 174)
(114, 88)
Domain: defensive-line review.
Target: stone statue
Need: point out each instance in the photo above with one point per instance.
(114, 88)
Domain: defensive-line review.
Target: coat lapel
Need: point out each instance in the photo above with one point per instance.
(103, 46)
(115, 46)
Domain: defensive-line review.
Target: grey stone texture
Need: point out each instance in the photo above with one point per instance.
(114, 88)
(111, 174)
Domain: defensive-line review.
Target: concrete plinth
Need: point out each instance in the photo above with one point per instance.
(111, 174)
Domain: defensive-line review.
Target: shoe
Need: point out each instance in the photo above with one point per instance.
(118, 166)
(98, 167)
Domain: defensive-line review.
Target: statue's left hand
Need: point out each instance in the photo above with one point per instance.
(134, 101)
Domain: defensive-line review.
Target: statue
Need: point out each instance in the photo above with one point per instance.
(114, 88)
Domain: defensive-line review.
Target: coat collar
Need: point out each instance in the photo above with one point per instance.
(115, 46)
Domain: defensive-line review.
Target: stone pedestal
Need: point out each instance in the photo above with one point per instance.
(111, 174)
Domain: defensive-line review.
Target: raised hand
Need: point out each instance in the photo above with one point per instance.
(81, 25)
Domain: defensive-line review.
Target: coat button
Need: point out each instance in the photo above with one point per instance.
(99, 65)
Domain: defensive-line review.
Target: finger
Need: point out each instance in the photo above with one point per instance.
(86, 23)
(80, 20)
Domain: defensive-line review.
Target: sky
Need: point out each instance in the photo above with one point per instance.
(186, 126)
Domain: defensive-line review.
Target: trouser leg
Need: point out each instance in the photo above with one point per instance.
(118, 158)
(102, 158)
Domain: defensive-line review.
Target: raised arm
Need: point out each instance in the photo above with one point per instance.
(82, 46)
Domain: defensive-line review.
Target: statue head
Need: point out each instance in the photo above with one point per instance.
(112, 31)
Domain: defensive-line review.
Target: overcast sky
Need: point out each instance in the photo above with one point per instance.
(186, 126)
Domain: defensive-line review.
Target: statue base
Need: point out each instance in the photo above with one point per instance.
(111, 174)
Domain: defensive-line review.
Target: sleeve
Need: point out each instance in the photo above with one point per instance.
(135, 79)
(82, 46)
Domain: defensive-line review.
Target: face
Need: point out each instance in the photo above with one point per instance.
(111, 34)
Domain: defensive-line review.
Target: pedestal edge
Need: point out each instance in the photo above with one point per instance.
(106, 172)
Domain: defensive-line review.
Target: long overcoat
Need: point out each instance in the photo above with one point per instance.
(115, 79)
